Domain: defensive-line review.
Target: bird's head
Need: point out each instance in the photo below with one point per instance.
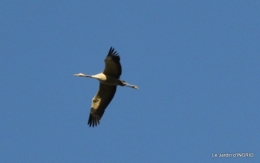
(80, 75)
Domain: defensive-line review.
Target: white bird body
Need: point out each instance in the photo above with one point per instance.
(109, 80)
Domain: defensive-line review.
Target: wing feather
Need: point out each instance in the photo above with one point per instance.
(99, 103)
(112, 64)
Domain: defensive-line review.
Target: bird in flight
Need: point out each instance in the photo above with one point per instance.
(109, 79)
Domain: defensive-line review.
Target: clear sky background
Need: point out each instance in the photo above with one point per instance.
(197, 64)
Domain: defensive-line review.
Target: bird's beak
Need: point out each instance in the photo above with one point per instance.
(79, 74)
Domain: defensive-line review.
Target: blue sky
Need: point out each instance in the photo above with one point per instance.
(196, 64)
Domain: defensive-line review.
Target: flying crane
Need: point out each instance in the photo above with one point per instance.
(109, 79)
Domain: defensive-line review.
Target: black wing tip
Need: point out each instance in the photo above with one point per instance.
(93, 120)
(113, 54)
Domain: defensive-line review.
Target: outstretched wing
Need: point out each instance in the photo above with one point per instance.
(113, 66)
(100, 102)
